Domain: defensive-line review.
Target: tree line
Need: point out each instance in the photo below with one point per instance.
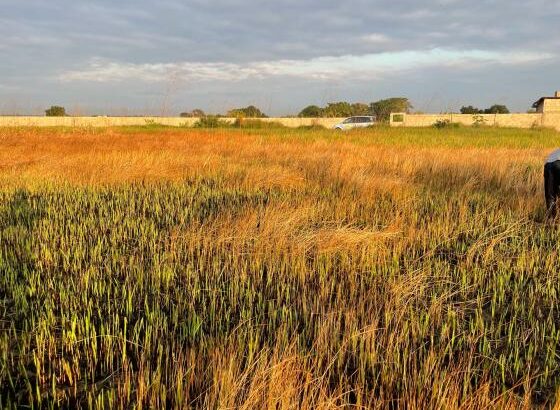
(495, 109)
(381, 109)
(247, 112)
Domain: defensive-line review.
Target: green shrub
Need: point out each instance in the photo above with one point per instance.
(253, 123)
(440, 124)
(478, 121)
(211, 121)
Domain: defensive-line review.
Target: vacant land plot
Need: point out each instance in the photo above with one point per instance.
(393, 268)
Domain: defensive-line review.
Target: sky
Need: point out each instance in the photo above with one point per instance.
(125, 57)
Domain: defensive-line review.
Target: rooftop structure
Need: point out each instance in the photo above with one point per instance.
(548, 104)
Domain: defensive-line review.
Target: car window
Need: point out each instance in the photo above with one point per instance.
(348, 121)
(363, 120)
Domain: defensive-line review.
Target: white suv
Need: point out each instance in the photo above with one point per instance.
(355, 122)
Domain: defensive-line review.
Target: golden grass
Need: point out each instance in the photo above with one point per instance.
(111, 157)
(277, 269)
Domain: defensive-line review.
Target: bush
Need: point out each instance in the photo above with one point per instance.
(478, 121)
(211, 121)
(441, 124)
(252, 123)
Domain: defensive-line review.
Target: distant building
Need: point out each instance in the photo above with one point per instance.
(548, 104)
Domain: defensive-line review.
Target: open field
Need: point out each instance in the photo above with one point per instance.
(277, 268)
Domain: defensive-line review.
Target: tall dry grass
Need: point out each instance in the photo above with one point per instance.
(277, 269)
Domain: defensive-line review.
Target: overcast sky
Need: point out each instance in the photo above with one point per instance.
(166, 56)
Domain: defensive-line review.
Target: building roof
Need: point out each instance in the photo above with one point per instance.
(540, 100)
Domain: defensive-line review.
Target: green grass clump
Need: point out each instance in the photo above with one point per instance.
(252, 123)
(211, 121)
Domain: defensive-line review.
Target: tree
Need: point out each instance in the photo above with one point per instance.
(55, 111)
(471, 110)
(196, 113)
(337, 109)
(360, 109)
(382, 109)
(248, 112)
(497, 109)
(311, 111)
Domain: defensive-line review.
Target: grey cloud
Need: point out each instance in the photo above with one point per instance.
(236, 31)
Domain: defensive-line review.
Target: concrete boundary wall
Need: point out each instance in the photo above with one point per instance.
(551, 120)
(140, 121)
(498, 120)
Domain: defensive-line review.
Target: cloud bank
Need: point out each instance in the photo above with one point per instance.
(361, 67)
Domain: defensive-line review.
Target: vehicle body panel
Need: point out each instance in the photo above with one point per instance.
(350, 123)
